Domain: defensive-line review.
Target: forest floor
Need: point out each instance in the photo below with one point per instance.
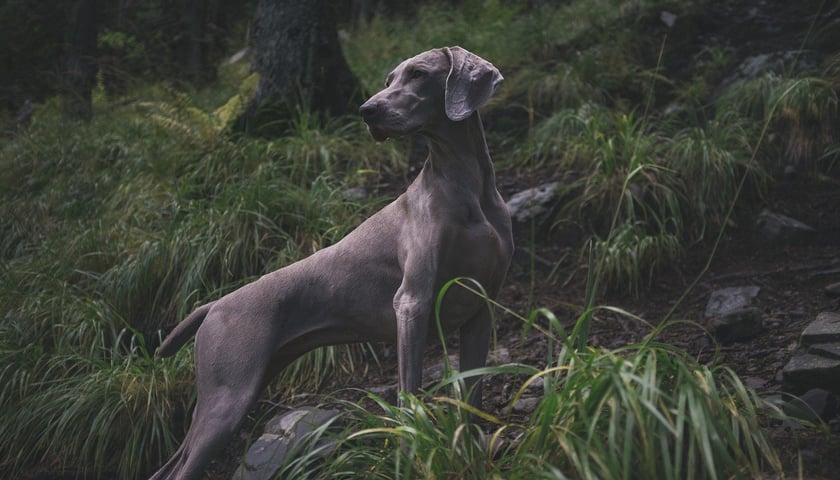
(791, 276)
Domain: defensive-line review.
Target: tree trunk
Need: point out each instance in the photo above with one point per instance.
(299, 59)
(80, 60)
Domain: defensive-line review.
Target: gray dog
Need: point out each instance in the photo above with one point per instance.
(379, 283)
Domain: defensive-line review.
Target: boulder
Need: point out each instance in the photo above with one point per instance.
(736, 325)
(827, 350)
(732, 314)
(814, 405)
(280, 436)
(817, 362)
(824, 329)
(774, 227)
(532, 202)
(806, 371)
(832, 290)
(730, 299)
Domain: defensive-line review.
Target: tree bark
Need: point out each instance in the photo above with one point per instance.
(300, 62)
(80, 60)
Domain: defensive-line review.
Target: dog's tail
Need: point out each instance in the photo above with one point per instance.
(183, 332)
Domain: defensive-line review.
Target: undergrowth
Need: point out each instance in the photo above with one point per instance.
(646, 410)
(111, 231)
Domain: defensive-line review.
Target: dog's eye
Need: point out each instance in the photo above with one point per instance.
(417, 74)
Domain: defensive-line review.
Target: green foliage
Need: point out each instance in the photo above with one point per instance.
(113, 230)
(801, 112)
(644, 411)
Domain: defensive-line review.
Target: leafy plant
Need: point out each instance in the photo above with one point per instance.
(801, 111)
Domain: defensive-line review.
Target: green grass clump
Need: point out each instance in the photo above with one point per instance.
(643, 411)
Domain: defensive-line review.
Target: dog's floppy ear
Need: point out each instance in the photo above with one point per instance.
(471, 82)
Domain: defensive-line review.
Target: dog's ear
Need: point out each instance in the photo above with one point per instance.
(471, 82)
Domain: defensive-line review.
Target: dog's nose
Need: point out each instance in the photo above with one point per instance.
(368, 110)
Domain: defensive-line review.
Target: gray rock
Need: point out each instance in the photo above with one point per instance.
(280, 436)
(523, 405)
(827, 350)
(775, 227)
(763, 63)
(434, 374)
(832, 290)
(731, 299)
(752, 66)
(736, 325)
(355, 193)
(385, 390)
(732, 314)
(526, 405)
(537, 384)
(668, 18)
(824, 329)
(814, 405)
(532, 202)
(806, 371)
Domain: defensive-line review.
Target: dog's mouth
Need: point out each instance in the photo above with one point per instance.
(378, 134)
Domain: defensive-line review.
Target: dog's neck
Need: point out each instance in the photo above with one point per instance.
(458, 151)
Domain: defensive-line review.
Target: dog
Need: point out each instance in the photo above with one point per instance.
(380, 282)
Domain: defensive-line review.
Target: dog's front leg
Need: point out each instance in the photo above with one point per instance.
(413, 311)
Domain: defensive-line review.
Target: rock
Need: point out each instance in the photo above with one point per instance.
(806, 371)
(790, 172)
(752, 66)
(435, 373)
(737, 325)
(532, 202)
(499, 356)
(526, 405)
(827, 350)
(385, 391)
(824, 329)
(757, 65)
(537, 384)
(775, 227)
(667, 18)
(730, 299)
(732, 315)
(281, 434)
(355, 193)
(754, 383)
(523, 405)
(814, 405)
(832, 290)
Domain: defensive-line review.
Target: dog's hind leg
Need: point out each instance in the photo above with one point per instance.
(213, 424)
(230, 374)
(475, 341)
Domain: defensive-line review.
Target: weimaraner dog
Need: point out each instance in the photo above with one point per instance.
(379, 283)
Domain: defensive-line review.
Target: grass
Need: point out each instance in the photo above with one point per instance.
(643, 411)
(113, 230)
(109, 238)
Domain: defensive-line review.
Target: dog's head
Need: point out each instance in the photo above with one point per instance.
(444, 84)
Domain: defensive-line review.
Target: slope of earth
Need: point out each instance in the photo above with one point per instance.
(791, 276)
